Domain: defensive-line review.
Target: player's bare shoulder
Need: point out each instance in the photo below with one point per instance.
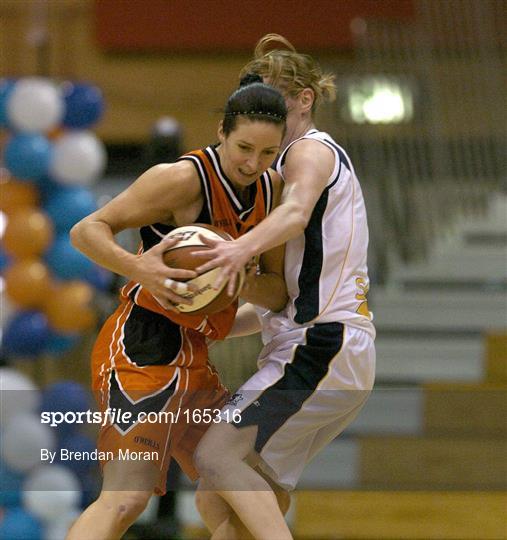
(309, 161)
(176, 174)
(167, 180)
(311, 152)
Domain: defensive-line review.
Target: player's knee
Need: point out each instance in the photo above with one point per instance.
(131, 506)
(208, 464)
(126, 506)
(203, 462)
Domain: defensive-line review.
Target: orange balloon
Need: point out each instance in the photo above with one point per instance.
(28, 233)
(15, 195)
(70, 309)
(28, 283)
(55, 133)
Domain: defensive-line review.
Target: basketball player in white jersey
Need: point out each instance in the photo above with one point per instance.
(317, 367)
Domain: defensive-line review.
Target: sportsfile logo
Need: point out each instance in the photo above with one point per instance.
(117, 416)
(126, 419)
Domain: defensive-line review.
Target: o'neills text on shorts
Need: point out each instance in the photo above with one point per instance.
(64, 454)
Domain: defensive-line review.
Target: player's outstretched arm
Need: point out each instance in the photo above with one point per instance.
(308, 166)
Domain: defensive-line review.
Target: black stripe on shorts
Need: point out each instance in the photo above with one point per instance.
(280, 402)
(150, 339)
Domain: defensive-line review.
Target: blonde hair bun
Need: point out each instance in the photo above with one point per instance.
(276, 60)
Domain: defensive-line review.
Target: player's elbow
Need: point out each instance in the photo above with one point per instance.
(279, 297)
(76, 234)
(278, 305)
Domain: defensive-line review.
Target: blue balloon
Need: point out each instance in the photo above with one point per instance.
(69, 205)
(47, 188)
(28, 156)
(65, 396)
(10, 486)
(59, 343)
(100, 278)
(6, 88)
(77, 442)
(5, 260)
(65, 262)
(83, 105)
(17, 524)
(26, 334)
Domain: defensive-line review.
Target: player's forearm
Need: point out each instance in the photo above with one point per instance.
(286, 222)
(266, 290)
(95, 239)
(246, 322)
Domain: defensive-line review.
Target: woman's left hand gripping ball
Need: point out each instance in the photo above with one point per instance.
(161, 280)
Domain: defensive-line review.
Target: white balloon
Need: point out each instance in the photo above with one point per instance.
(22, 440)
(35, 105)
(58, 529)
(18, 395)
(79, 158)
(51, 491)
(7, 309)
(3, 221)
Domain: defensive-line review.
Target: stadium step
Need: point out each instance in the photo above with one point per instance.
(328, 515)
(459, 264)
(390, 410)
(407, 462)
(418, 358)
(438, 311)
(477, 410)
(496, 357)
(474, 256)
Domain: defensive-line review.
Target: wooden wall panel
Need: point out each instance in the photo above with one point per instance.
(139, 88)
(234, 25)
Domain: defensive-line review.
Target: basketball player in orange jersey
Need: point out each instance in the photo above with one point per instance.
(317, 367)
(149, 357)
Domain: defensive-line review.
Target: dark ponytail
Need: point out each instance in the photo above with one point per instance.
(250, 78)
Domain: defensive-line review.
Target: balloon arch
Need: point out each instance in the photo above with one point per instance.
(50, 161)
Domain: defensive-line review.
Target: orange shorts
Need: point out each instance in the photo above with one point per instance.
(154, 384)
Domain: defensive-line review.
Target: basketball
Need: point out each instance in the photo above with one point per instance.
(206, 300)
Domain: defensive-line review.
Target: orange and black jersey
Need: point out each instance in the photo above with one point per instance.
(221, 208)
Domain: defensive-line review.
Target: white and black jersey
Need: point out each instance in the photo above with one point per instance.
(325, 267)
